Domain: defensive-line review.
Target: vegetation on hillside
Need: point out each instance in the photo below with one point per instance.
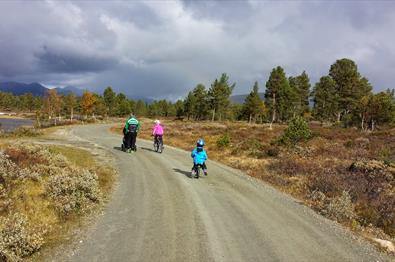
(42, 190)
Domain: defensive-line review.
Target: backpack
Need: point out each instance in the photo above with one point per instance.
(132, 128)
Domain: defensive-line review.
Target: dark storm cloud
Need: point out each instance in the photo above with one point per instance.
(58, 62)
(163, 49)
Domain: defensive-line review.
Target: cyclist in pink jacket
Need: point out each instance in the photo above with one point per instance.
(158, 132)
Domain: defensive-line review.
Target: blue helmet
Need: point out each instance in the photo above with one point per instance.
(200, 142)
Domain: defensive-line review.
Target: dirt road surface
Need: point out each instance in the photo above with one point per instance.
(158, 213)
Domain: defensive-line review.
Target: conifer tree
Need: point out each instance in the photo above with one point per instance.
(219, 96)
(325, 99)
(278, 95)
(110, 100)
(253, 105)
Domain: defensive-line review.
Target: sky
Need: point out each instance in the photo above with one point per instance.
(163, 49)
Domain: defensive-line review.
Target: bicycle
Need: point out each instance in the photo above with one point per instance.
(195, 173)
(158, 144)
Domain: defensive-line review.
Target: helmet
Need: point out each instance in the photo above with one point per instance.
(200, 142)
(157, 122)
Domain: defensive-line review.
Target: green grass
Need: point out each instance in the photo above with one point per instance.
(77, 156)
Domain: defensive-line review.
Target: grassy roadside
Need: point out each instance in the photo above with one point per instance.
(44, 192)
(343, 174)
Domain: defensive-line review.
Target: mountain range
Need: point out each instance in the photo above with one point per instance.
(36, 89)
(239, 99)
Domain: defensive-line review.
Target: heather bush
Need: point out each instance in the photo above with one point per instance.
(34, 179)
(72, 192)
(297, 131)
(273, 151)
(21, 132)
(19, 238)
(223, 141)
(9, 171)
(341, 208)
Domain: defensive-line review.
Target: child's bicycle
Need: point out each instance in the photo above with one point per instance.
(158, 145)
(195, 173)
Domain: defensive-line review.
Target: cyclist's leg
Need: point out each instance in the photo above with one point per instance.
(133, 140)
(194, 169)
(128, 141)
(204, 168)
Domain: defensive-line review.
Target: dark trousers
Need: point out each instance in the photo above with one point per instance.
(131, 140)
(195, 166)
(158, 138)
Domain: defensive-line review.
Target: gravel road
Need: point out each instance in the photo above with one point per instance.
(158, 213)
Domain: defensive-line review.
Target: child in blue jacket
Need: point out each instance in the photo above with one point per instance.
(199, 156)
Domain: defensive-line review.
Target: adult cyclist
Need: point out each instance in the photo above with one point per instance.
(132, 127)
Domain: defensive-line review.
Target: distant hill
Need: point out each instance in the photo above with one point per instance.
(17, 89)
(35, 89)
(239, 99)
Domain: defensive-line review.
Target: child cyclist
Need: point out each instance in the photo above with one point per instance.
(157, 132)
(199, 156)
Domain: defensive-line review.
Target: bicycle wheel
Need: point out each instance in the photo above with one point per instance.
(156, 146)
(160, 147)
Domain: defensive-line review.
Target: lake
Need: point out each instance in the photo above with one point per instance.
(9, 124)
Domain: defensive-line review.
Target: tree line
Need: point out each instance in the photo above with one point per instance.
(343, 96)
(54, 107)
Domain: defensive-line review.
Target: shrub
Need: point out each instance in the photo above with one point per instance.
(341, 208)
(273, 151)
(18, 238)
(73, 190)
(223, 141)
(297, 131)
(22, 132)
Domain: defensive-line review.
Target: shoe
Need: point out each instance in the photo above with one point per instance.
(129, 150)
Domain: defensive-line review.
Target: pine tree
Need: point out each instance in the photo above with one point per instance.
(325, 99)
(279, 96)
(350, 87)
(110, 100)
(219, 94)
(253, 106)
(189, 105)
(122, 107)
(141, 108)
(300, 85)
(179, 106)
(380, 109)
(200, 105)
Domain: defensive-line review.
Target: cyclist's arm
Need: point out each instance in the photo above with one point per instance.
(127, 125)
